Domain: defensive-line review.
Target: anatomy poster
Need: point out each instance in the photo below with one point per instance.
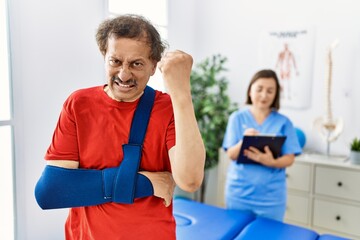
(290, 53)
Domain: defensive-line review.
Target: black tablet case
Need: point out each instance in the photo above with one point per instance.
(274, 142)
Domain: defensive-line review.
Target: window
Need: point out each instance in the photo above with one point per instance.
(6, 134)
(156, 12)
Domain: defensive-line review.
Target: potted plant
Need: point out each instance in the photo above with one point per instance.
(355, 151)
(212, 107)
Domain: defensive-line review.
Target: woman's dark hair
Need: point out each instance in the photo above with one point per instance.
(266, 73)
(133, 27)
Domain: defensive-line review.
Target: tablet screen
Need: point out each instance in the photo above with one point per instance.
(260, 141)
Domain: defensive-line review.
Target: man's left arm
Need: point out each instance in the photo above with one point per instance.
(188, 155)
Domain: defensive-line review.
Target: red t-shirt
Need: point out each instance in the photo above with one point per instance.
(92, 129)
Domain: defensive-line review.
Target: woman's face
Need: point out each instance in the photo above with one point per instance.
(263, 92)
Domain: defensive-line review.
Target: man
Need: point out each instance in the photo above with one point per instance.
(86, 149)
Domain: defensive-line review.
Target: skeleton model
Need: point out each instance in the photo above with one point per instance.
(329, 127)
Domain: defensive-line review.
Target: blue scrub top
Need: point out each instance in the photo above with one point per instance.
(275, 123)
(252, 186)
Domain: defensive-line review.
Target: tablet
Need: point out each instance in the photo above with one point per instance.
(260, 141)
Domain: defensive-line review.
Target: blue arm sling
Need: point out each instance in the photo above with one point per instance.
(62, 188)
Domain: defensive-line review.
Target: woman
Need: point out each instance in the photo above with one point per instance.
(260, 188)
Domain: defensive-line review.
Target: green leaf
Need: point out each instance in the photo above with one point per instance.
(212, 104)
(355, 145)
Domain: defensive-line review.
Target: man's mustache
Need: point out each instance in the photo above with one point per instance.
(128, 82)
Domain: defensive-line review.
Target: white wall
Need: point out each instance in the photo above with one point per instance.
(54, 52)
(232, 28)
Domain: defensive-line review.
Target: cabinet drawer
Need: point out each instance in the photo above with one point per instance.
(298, 177)
(297, 209)
(337, 217)
(337, 183)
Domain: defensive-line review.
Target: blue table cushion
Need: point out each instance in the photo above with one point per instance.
(196, 220)
(264, 228)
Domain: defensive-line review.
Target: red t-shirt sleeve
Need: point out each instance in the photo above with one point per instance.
(64, 145)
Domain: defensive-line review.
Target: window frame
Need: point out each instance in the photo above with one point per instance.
(9, 122)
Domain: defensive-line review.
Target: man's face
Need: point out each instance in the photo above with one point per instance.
(128, 68)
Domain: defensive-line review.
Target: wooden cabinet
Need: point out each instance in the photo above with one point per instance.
(298, 209)
(337, 182)
(299, 202)
(324, 194)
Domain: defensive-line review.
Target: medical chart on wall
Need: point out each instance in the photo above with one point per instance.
(291, 54)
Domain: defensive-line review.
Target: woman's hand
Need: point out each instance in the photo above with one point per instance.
(256, 155)
(268, 159)
(251, 132)
(234, 151)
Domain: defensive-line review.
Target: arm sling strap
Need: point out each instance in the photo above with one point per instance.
(62, 188)
(129, 167)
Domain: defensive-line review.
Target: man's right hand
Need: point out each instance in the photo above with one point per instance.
(163, 184)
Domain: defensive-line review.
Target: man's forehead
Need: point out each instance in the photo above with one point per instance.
(128, 47)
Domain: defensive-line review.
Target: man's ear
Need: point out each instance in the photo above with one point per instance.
(154, 68)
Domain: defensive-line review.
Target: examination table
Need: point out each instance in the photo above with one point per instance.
(199, 221)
